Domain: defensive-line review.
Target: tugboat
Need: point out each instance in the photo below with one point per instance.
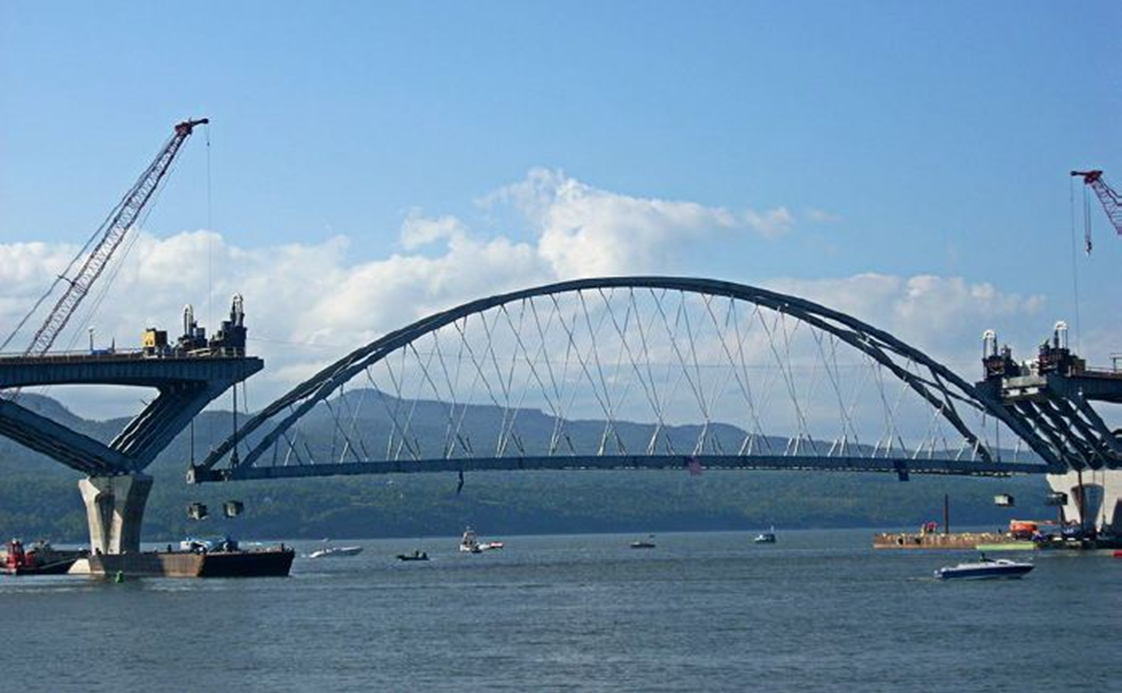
(470, 544)
(38, 559)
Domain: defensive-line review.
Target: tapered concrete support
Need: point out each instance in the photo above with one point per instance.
(115, 511)
(1101, 503)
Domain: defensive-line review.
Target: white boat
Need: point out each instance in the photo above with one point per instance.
(470, 544)
(765, 537)
(984, 569)
(330, 551)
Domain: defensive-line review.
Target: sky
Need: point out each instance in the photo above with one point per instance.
(368, 163)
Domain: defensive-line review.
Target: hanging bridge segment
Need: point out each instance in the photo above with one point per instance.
(636, 372)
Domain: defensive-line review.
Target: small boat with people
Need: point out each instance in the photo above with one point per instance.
(417, 555)
(647, 543)
(330, 551)
(985, 569)
(469, 543)
(765, 537)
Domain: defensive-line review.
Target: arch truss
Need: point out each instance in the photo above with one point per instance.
(633, 372)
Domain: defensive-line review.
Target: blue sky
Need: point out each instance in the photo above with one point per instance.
(903, 139)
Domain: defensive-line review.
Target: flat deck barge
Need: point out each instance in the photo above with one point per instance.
(272, 562)
(954, 541)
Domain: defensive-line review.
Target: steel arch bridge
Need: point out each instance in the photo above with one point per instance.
(633, 372)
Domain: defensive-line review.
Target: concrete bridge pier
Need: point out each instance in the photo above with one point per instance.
(115, 511)
(1100, 502)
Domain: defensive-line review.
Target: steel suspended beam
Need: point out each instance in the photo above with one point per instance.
(872, 341)
(666, 462)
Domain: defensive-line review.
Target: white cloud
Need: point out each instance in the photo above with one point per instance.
(585, 231)
(310, 303)
(943, 316)
(821, 216)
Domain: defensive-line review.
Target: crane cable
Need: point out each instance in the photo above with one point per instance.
(1075, 261)
(209, 239)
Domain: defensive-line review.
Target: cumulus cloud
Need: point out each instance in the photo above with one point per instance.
(944, 316)
(310, 303)
(585, 231)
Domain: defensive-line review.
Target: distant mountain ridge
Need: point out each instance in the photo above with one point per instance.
(38, 497)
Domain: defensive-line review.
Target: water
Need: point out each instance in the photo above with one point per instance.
(819, 611)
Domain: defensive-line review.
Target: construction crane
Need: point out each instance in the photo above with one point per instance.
(1110, 200)
(116, 228)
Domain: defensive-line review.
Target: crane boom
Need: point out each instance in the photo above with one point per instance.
(1111, 200)
(120, 222)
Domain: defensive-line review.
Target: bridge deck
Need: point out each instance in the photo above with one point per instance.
(123, 368)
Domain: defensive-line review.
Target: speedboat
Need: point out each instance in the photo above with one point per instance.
(417, 555)
(470, 544)
(984, 569)
(647, 543)
(765, 537)
(329, 551)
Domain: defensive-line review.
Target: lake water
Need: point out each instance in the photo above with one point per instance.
(818, 611)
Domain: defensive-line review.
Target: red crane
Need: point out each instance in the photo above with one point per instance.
(116, 227)
(1110, 200)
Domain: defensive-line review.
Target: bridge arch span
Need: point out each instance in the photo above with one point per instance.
(641, 371)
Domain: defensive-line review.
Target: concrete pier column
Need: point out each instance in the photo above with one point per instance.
(1102, 502)
(115, 511)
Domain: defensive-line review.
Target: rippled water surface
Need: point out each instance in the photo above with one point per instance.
(819, 611)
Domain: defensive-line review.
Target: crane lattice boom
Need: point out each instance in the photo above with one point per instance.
(118, 226)
(1110, 199)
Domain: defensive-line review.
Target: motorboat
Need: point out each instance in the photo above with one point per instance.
(647, 543)
(985, 569)
(329, 551)
(417, 555)
(470, 544)
(765, 537)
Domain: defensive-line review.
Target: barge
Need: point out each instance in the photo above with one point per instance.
(269, 562)
(931, 540)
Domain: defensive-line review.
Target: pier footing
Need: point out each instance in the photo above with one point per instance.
(1095, 497)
